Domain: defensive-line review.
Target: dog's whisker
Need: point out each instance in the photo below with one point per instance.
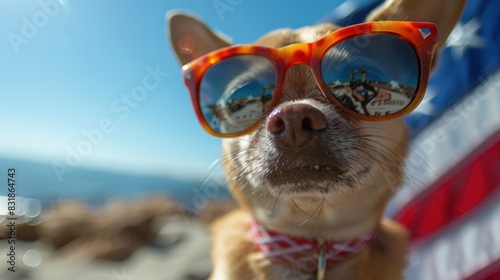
(274, 206)
(219, 163)
(319, 210)
(407, 148)
(332, 205)
(309, 215)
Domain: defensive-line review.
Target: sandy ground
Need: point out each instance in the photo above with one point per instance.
(184, 256)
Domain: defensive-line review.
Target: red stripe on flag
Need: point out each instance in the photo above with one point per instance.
(463, 188)
(492, 272)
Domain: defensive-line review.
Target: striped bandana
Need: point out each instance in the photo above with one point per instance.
(303, 254)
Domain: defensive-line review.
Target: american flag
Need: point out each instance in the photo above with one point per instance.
(450, 201)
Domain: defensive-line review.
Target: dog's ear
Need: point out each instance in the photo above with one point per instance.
(445, 13)
(190, 38)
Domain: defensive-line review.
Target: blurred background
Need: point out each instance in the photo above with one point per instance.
(97, 157)
(73, 97)
(71, 66)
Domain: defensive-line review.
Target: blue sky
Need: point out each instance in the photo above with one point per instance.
(68, 67)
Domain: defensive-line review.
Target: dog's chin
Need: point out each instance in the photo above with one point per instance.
(315, 181)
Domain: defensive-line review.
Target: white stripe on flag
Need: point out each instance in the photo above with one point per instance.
(461, 250)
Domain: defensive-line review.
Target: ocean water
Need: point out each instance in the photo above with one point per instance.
(38, 181)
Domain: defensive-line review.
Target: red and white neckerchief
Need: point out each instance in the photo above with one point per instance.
(304, 254)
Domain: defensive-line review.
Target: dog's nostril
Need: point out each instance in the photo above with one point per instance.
(307, 124)
(314, 122)
(275, 124)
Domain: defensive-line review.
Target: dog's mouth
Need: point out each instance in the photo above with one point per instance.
(314, 178)
(315, 171)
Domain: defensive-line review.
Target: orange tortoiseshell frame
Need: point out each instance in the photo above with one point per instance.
(421, 35)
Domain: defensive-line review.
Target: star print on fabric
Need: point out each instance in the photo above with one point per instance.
(464, 37)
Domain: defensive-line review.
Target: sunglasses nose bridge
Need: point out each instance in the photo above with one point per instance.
(297, 54)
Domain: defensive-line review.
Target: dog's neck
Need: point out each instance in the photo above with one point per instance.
(320, 217)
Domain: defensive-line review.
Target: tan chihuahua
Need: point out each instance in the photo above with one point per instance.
(314, 140)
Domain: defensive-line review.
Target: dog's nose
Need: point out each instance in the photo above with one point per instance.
(296, 125)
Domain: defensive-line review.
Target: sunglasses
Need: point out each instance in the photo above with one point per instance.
(373, 71)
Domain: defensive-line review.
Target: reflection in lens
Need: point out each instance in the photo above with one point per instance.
(374, 74)
(235, 92)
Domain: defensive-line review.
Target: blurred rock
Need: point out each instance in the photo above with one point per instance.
(27, 232)
(66, 221)
(111, 232)
(114, 246)
(118, 228)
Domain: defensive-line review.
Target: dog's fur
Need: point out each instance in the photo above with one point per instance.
(332, 185)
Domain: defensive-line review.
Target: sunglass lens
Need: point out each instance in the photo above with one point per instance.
(373, 74)
(235, 92)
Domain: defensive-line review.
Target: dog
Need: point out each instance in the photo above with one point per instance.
(310, 161)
